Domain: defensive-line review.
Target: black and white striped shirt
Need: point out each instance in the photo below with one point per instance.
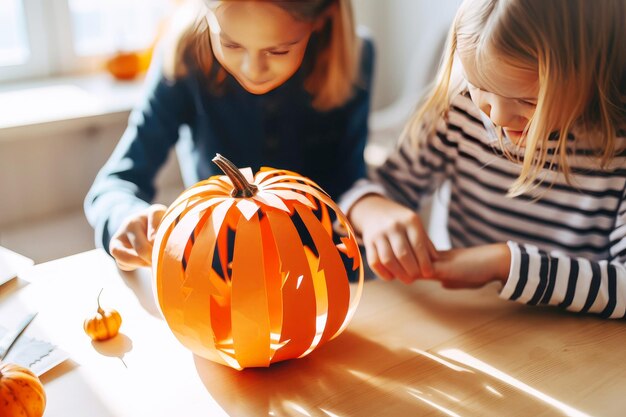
(568, 247)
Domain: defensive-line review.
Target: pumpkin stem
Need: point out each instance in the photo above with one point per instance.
(242, 187)
(100, 310)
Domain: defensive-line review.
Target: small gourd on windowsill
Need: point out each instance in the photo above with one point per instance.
(126, 66)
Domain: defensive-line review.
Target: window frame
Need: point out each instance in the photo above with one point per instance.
(49, 32)
(38, 62)
(66, 61)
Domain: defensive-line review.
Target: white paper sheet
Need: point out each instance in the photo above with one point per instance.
(38, 355)
(11, 264)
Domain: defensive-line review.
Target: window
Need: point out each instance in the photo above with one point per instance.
(57, 37)
(109, 26)
(13, 43)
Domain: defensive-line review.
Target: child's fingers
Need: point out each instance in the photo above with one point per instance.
(374, 261)
(125, 256)
(420, 244)
(155, 215)
(388, 260)
(432, 251)
(137, 236)
(382, 272)
(423, 257)
(453, 285)
(403, 253)
(132, 265)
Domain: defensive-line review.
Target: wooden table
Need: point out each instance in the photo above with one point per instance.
(414, 350)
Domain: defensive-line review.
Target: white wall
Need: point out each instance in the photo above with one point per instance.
(407, 34)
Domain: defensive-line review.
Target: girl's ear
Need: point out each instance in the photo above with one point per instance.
(321, 20)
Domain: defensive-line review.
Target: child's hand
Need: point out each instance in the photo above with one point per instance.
(131, 245)
(473, 267)
(396, 244)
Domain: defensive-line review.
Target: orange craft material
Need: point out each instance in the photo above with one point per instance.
(246, 269)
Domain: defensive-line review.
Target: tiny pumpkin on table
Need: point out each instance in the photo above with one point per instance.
(21, 392)
(103, 325)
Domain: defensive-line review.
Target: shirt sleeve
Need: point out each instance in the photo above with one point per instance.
(411, 173)
(351, 162)
(125, 184)
(575, 284)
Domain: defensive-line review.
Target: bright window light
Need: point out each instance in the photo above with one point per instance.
(105, 27)
(13, 41)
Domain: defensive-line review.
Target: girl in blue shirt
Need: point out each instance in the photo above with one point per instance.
(265, 83)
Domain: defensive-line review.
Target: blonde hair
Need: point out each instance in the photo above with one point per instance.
(575, 47)
(334, 71)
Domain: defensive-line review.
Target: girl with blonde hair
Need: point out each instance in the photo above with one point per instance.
(263, 82)
(527, 120)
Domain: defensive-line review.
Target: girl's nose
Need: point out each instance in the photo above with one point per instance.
(254, 66)
(498, 111)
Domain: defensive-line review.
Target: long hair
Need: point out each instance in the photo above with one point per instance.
(575, 47)
(335, 57)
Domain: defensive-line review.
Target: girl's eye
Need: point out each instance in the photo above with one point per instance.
(277, 53)
(527, 103)
(231, 46)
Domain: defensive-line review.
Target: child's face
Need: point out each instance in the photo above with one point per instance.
(506, 93)
(258, 43)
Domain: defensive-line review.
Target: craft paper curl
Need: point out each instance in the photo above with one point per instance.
(247, 271)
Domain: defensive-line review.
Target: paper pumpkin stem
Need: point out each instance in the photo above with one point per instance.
(242, 187)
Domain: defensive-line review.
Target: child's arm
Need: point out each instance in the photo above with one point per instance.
(396, 243)
(131, 245)
(575, 284)
(533, 276)
(125, 185)
(395, 240)
(473, 267)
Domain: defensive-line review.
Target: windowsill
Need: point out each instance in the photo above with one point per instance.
(62, 99)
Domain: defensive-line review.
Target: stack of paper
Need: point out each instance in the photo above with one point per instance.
(11, 264)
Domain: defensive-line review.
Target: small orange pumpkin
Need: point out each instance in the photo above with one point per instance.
(103, 325)
(21, 392)
(128, 65)
(247, 271)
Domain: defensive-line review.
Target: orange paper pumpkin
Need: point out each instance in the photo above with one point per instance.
(247, 271)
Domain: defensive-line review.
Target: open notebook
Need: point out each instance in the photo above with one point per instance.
(11, 264)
